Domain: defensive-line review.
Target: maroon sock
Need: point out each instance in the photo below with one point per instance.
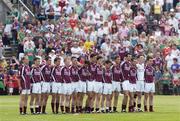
(114, 109)
(151, 108)
(20, 110)
(32, 110)
(92, 109)
(80, 109)
(72, 109)
(134, 104)
(43, 109)
(52, 107)
(123, 107)
(139, 106)
(66, 109)
(57, 107)
(25, 109)
(39, 110)
(145, 108)
(77, 109)
(62, 109)
(36, 109)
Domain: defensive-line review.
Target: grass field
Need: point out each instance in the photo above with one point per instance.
(167, 108)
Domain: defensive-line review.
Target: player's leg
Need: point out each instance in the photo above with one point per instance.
(73, 104)
(146, 95)
(25, 102)
(67, 103)
(131, 101)
(151, 98)
(57, 100)
(37, 103)
(98, 98)
(102, 103)
(21, 104)
(62, 102)
(124, 101)
(115, 95)
(108, 103)
(32, 103)
(53, 102)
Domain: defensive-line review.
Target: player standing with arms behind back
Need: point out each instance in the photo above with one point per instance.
(24, 84)
(149, 85)
(140, 82)
(36, 87)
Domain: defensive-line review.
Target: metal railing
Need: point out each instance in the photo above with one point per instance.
(22, 3)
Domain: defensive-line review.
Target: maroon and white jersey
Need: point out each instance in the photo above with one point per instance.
(36, 74)
(46, 73)
(56, 74)
(74, 73)
(126, 65)
(84, 74)
(99, 74)
(25, 74)
(122, 52)
(116, 73)
(66, 74)
(133, 75)
(107, 76)
(149, 74)
(158, 62)
(92, 70)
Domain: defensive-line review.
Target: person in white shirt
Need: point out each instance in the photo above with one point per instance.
(76, 50)
(140, 81)
(169, 60)
(106, 47)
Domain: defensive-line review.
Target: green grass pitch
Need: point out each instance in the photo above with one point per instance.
(167, 108)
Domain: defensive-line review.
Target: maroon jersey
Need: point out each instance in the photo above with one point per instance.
(25, 73)
(66, 74)
(122, 52)
(133, 75)
(125, 70)
(36, 74)
(84, 74)
(158, 62)
(116, 73)
(107, 76)
(92, 70)
(56, 74)
(74, 73)
(99, 74)
(149, 74)
(46, 73)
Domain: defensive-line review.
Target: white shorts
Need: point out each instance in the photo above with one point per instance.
(98, 87)
(116, 86)
(10, 90)
(75, 86)
(132, 87)
(140, 86)
(36, 88)
(107, 90)
(125, 85)
(25, 92)
(46, 87)
(90, 86)
(149, 87)
(82, 86)
(67, 88)
(57, 88)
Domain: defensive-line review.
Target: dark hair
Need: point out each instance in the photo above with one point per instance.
(56, 59)
(175, 59)
(86, 62)
(47, 58)
(99, 57)
(92, 55)
(117, 56)
(108, 62)
(72, 58)
(36, 58)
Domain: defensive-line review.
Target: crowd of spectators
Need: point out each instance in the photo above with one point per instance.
(104, 27)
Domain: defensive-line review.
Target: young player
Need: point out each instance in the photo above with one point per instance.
(107, 91)
(149, 85)
(140, 82)
(125, 66)
(75, 85)
(132, 84)
(98, 85)
(90, 85)
(84, 77)
(46, 84)
(24, 85)
(116, 81)
(66, 73)
(57, 85)
(36, 87)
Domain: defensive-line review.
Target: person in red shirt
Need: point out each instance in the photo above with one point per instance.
(73, 23)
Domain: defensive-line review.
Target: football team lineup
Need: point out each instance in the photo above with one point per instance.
(167, 109)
